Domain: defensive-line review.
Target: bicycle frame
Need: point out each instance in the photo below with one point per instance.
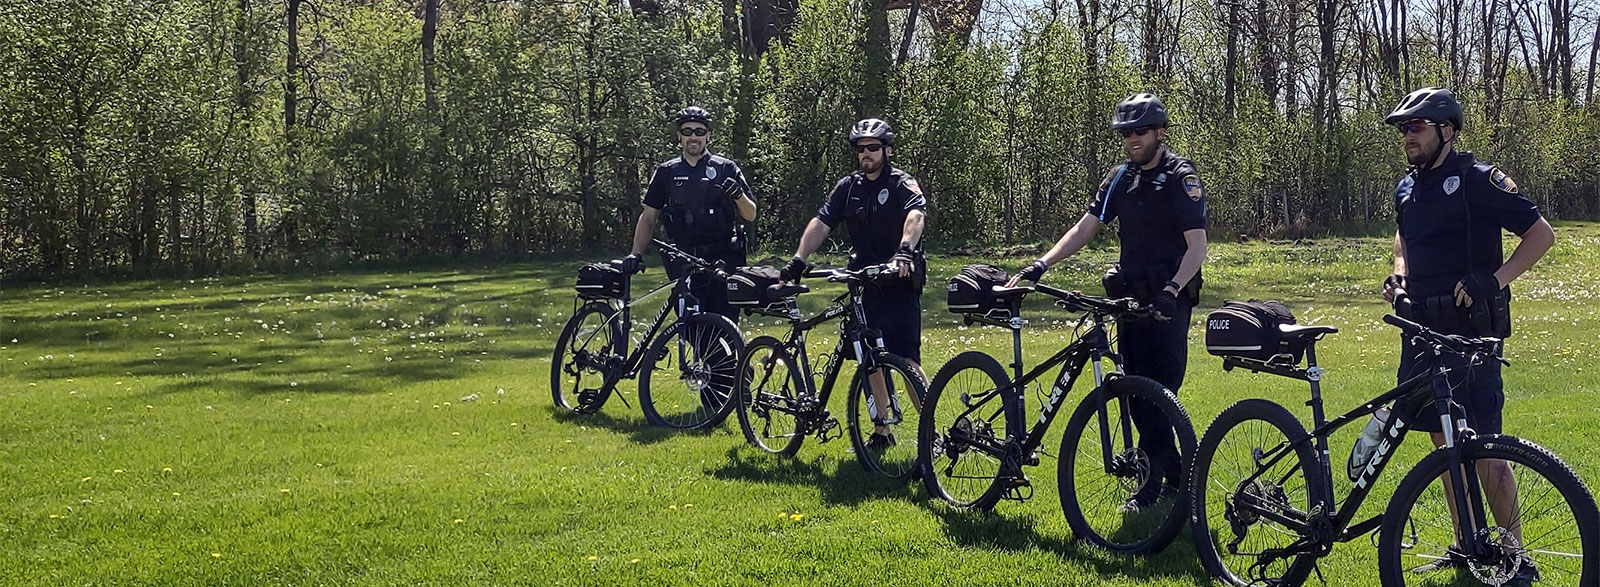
(853, 330)
(1412, 398)
(681, 299)
(1090, 348)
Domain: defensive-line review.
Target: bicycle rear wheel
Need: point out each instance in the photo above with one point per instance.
(589, 344)
(1231, 486)
(962, 431)
(770, 400)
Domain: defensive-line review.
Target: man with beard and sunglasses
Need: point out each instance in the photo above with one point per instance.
(1450, 274)
(1160, 204)
(702, 197)
(885, 209)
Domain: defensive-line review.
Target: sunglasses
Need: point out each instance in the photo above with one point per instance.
(873, 148)
(698, 131)
(1131, 132)
(1414, 126)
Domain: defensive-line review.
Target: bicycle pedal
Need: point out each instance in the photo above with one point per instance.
(829, 430)
(1017, 489)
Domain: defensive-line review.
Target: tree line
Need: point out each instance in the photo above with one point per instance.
(147, 136)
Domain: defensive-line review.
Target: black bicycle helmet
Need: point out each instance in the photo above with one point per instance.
(1431, 104)
(1139, 110)
(694, 114)
(872, 128)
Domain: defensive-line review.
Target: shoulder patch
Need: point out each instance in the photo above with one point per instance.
(911, 184)
(1502, 181)
(1191, 186)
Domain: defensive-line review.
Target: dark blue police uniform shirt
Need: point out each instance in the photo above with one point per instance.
(875, 212)
(691, 190)
(1156, 206)
(1432, 208)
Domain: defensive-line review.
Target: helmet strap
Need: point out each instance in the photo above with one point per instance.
(1433, 160)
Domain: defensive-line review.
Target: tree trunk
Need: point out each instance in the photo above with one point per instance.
(909, 33)
(430, 81)
(1230, 64)
(879, 75)
(244, 103)
(1594, 52)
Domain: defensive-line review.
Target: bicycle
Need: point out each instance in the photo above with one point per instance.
(973, 445)
(1272, 517)
(700, 348)
(779, 403)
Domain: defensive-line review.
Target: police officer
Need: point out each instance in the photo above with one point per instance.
(1450, 273)
(702, 197)
(1161, 202)
(884, 209)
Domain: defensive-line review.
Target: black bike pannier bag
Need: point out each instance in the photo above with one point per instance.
(1250, 330)
(971, 291)
(601, 281)
(751, 286)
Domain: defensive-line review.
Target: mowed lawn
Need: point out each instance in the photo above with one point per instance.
(385, 428)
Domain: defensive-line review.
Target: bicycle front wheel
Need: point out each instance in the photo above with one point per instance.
(1122, 486)
(882, 434)
(1550, 537)
(1236, 480)
(690, 372)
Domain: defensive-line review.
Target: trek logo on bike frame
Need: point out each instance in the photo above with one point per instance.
(1056, 395)
(1381, 453)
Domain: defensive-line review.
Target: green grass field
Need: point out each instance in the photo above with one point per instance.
(386, 428)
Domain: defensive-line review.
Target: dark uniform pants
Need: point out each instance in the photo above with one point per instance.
(896, 311)
(1160, 351)
(1481, 396)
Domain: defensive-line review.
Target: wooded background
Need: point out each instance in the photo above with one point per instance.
(150, 136)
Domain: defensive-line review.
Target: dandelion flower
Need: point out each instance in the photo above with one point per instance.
(634, 561)
(672, 507)
(796, 517)
(216, 555)
(117, 471)
(458, 520)
(284, 490)
(166, 469)
(593, 558)
(86, 479)
(175, 494)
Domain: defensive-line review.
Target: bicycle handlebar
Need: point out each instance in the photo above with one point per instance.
(1461, 345)
(717, 267)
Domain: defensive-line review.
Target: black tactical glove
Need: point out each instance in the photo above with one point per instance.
(1394, 281)
(630, 264)
(1481, 287)
(904, 259)
(730, 187)
(1166, 305)
(794, 270)
(1033, 272)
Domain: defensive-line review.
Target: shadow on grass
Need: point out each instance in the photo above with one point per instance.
(990, 530)
(840, 481)
(635, 427)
